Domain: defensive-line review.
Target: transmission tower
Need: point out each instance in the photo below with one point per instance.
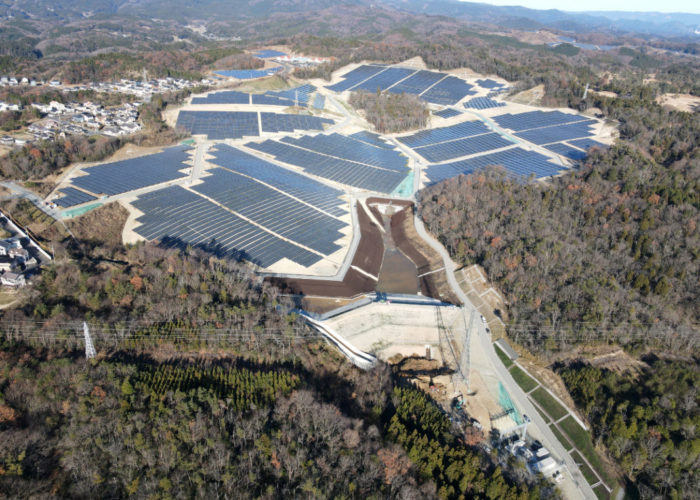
(89, 347)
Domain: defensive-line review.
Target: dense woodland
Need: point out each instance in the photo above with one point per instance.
(389, 113)
(163, 412)
(648, 421)
(606, 252)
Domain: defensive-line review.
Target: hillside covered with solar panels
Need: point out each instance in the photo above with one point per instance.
(273, 177)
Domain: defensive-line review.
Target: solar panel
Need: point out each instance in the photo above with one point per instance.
(248, 74)
(274, 210)
(267, 54)
(447, 113)
(128, 175)
(371, 138)
(339, 146)
(299, 186)
(335, 169)
(517, 162)
(448, 91)
(72, 197)
(417, 83)
(535, 119)
(483, 103)
(490, 84)
(568, 151)
(462, 147)
(356, 76)
(442, 134)
(220, 124)
(384, 80)
(546, 135)
(178, 217)
(277, 122)
(226, 97)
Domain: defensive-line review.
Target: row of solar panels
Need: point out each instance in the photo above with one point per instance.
(443, 134)
(300, 186)
(178, 217)
(372, 138)
(217, 125)
(431, 86)
(336, 169)
(516, 161)
(535, 119)
(348, 148)
(576, 149)
(483, 103)
(466, 146)
(249, 74)
(289, 97)
(128, 175)
(272, 209)
(447, 113)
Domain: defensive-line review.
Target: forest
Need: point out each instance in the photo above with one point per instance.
(389, 113)
(648, 420)
(225, 426)
(607, 252)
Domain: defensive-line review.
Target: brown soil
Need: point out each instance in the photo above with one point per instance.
(426, 260)
(368, 257)
(102, 225)
(410, 255)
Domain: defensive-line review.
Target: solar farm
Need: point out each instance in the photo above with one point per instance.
(273, 177)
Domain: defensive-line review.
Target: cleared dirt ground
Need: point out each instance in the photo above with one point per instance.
(680, 102)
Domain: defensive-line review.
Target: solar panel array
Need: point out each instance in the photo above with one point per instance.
(340, 170)
(432, 86)
(288, 97)
(72, 197)
(447, 113)
(483, 103)
(267, 54)
(546, 135)
(293, 183)
(356, 76)
(225, 97)
(442, 134)
(218, 125)
(535, 119)
(277, 122)
(385, 79)
(178, 217)
(448, 91)
(372, 138)
(248, 74)
(417, 83)
(272, 209)
(517, 161)
(340, 146)
(490, 84)
(136, 173)
(462, 147)
(567, 151)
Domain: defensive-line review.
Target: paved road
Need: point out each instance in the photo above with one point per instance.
(579, 488)
(22, 192)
